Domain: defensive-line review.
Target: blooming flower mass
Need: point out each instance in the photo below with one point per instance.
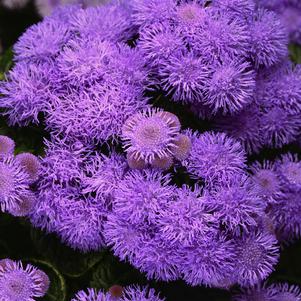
(155, 111)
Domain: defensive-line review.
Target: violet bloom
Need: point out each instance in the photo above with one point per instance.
(7, 146)
(274, 292)
(14, 182)
(159, 41)
(244, 126)
(214, 157)
(130, 293)
(186, 218)
(42, 41)
(239, 8)
(230, 87)
(80, 224)
(289, 169)
(183, 76)
(236, 204)
(18, 282)
(266, 180)
(279, 127)
(112, 21)
(150, 135)
(268, 38)
(30, 164)
(258, 253)
(151, 11)
(208, 262)
(26, 92)
(104, 175)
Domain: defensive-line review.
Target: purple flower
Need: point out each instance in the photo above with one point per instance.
(158, 41)
(26, 92)
(130, 293)
(284, 291)
(279, 127)
(14, 183)
(183, 76)
(80, 224)
(30, 164)
(281, 88)
(274, 292)
(186, 218)
(7, 146)
(85, 60)
(236, 204)
(208, 262)
(149, 135)
(136, 293)
(237, 8)
(230, 86)
(25, 205)
(111, 22)
(286, 215)
(104, 176)
(96, 115)
(222, 38)
(266, 180)
(258, 253)
(42, 41)
(142, 195)
(289, 169)
(214, 156)
(21, 283)
(245, 127)
(268, 39)
(152, 11)
(258, 292)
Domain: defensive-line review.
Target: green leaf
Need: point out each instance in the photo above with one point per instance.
(6, 62)
(295, 53)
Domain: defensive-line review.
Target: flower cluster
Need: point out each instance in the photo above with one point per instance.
(21, 283)
(17, 174)
(130, 293)
(106, 179)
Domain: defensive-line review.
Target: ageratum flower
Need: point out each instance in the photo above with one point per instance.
(268, 39)
(258, 253)
(158, 41)
(130, 293)
(208, 262)
(7, 146)
(14, 182)
(104, 175)
(22, 283)
(245, 127)
(80, 223)
(112, 21)
(230, 86)
(274, 292)
(30, 164)
(42, 41)
(25, 205)
(286, 215)
(26, 92)
(183, 76)
(152, 11)
(289, 169)
(186, 218)
(149, 135)
(14, 4)
(279, 127)
(236, 203)
(237, 8)
(266, 180)
(214, 156)
(222, 38)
